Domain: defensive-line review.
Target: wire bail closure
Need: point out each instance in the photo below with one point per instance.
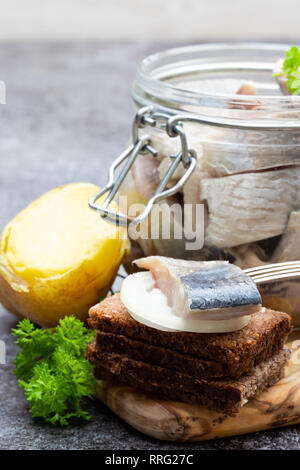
(142, 145)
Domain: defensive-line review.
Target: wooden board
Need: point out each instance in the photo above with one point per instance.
(175, 421)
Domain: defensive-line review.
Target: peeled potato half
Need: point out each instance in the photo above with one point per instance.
(58, 257)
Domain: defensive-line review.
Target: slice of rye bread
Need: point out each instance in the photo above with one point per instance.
(163, 357)
(235, 353)
(225, 394)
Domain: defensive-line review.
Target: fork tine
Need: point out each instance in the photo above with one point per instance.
(292, 269)
(276, 276)
(276, 267)
(271, 271)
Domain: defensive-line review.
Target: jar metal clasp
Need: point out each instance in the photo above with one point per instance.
(142, 145)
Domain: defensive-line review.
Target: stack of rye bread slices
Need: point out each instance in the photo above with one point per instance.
(221, 371)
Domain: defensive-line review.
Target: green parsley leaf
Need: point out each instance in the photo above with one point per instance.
(52, 370)
(290, 69)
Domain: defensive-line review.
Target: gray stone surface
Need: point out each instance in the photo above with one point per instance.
(68, 114)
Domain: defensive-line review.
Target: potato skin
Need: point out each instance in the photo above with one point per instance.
(47, 299)
(7, 295)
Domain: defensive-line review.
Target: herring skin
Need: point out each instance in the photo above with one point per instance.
(220, 287)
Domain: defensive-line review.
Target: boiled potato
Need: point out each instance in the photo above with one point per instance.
(59, 257)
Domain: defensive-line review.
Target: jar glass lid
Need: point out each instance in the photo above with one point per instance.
(204, 80)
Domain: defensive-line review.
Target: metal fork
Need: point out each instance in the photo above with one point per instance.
(274, 272)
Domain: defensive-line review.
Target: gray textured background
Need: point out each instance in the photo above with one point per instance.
(68, 114)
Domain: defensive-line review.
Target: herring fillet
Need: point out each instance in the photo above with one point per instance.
(203, 287)
(245, 150)
(247, 207)
(145, 175)
(139, 185)
(288, 248)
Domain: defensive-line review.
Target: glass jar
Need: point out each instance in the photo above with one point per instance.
(246, 135)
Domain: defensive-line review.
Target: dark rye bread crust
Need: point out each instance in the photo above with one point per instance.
(237, 352)
(225, 395)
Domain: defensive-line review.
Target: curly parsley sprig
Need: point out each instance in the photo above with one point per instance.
(290, 69)
(52, 370)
